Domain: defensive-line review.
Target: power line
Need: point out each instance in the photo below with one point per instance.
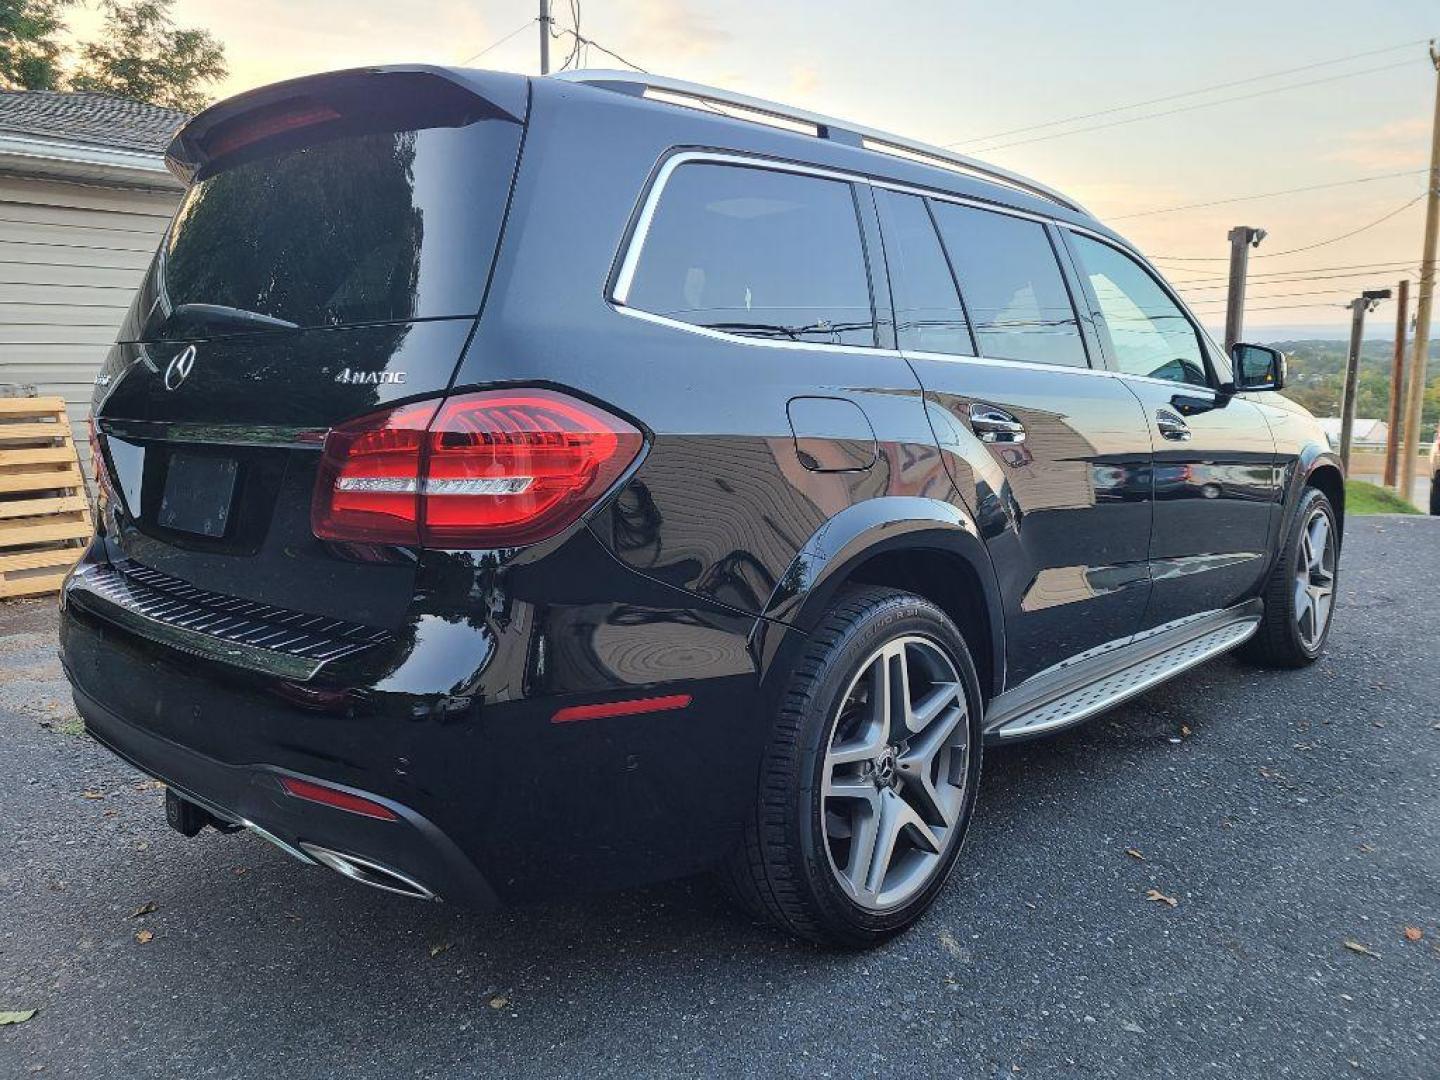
(608, 52)
(1186, 93)
(1190, 108)
(1294, 279)
(1204, 276)
(1307, 247)
(496, 44)
(1266, 194)
(1295, 307)
(1275, 296)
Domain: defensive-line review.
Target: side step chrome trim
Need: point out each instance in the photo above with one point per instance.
(1072, 693)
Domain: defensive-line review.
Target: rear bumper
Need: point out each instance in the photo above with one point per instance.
(251, 795)
(451, 721)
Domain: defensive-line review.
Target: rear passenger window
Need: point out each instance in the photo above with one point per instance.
(928, 313)
(757, 252)
(1018, 303)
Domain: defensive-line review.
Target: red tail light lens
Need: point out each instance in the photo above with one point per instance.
(499, 468)
(97, 461)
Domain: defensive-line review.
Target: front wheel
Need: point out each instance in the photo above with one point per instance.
(869, 779)
(1300, 593)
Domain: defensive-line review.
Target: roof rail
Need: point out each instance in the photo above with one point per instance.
(743, 107)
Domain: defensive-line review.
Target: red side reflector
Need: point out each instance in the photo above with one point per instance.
(633, 707)
(341, 800)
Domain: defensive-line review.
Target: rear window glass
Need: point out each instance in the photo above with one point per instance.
(757, 252)
(1019, 306)
(360, 228)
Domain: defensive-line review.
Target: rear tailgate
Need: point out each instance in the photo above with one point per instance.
(330, 258)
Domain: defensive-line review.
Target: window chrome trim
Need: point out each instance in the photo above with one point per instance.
(996, 361)
(625, 277)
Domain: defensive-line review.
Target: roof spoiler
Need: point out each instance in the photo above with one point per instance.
(457, 94)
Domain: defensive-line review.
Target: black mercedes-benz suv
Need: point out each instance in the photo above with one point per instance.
(511, 486)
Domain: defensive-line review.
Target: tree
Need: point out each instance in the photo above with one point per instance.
(29, 45)
(145, 57)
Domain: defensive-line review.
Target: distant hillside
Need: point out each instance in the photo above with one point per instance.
(1317, 373)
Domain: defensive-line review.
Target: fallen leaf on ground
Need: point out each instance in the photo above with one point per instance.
(499, 1001)
(1185, 731)
(16, 1017)
(436, 950)
(143, 909)
(92, 794)
(1134, 853)
(1160, 898)
(1356, 947)
(949, 944)
(144, 937)
(1413, 933)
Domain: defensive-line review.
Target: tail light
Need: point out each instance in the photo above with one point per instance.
(97, 461)
(498, 468)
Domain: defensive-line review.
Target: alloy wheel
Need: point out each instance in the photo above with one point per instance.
(1314, 579)
(896, 772)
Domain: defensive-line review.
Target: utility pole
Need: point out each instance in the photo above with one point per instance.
(1415, 397)
(1397, 386)
(544, 37)
(1366, 301)
(1242, 238)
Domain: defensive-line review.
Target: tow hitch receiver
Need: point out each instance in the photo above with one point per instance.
(188, 819)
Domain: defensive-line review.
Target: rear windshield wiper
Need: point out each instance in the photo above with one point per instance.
(229, 316)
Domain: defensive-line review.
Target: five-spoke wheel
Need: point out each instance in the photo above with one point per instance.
(895, 772)
(1314, 577)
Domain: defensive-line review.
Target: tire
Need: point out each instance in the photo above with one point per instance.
(1435, 495)
(818, 803)
(1284, 639)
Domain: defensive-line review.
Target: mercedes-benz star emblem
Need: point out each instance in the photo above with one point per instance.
(179, 367)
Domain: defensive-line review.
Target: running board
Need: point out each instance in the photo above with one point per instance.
(1074, 692)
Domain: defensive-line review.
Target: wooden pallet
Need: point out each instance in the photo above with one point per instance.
(44, 511)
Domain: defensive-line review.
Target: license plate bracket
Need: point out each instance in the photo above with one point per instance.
(199, 493)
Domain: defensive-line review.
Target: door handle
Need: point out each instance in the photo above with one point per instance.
(994, 425)
(1172, 427)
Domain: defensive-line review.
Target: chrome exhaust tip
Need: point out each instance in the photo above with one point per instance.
(368, 873)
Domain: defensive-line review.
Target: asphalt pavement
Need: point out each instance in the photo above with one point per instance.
(1293, 818)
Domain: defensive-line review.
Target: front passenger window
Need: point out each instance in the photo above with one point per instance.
(1149, 334)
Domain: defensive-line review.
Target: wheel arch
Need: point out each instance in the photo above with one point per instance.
(920, 545)
(1326, 475)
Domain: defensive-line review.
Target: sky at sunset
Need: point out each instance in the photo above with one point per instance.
(962, 73)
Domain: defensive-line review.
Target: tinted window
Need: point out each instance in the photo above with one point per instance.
(1017, 300)
(758, 252)
(364, 227)
(1149, 333)
(928, 313)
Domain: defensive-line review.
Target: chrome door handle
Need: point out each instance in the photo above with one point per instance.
(1172, 427)
(994, 425)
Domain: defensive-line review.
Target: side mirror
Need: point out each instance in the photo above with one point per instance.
(1257, 367)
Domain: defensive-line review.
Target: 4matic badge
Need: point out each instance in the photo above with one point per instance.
(369, 378)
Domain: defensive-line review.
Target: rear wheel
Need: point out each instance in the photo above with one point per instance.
(869, 780)
(1300, 594)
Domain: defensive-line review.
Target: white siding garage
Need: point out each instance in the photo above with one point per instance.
(84, 199)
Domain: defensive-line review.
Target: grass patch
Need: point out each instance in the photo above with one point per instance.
(1363, 498)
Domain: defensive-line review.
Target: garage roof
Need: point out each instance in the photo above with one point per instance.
(93, 119)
